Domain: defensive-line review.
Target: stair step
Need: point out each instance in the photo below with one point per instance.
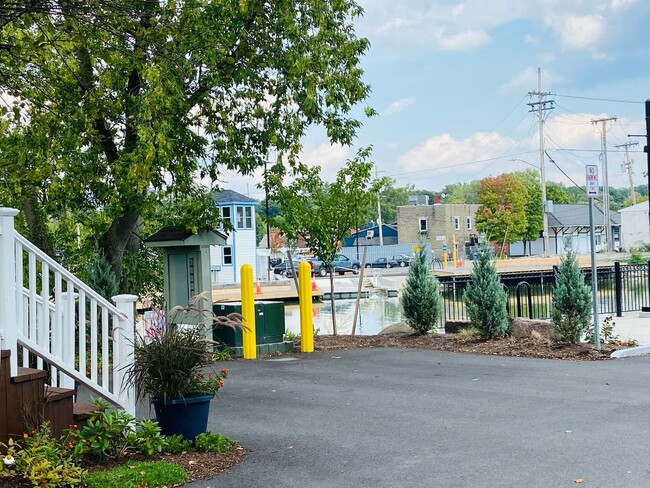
(28, 374)
(53, 394)
(5, 353)
(83, 411)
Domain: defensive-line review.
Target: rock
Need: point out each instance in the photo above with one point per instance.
(398, 327)
(522, 328)
(453, 326)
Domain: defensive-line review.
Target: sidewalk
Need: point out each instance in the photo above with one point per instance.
(631, 326)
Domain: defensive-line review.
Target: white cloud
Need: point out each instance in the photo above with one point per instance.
(526, 80)
(581, 32)
(442, 154)
(464, 41)
(398, 106)
(621, 4)
(528, 39)
(330, 157)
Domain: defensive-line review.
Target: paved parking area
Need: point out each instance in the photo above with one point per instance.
(419, 418)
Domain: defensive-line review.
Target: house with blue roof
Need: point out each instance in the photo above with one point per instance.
(240, 247)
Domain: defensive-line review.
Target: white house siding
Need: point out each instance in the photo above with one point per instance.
(243, 247)
(635, 229)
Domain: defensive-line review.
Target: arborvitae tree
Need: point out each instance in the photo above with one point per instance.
(421, 300)
(101, 277)
(485, 298)
(571, 313)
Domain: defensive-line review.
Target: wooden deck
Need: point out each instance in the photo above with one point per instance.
(274, 293)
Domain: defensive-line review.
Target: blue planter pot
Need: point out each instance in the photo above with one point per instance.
(185, 416)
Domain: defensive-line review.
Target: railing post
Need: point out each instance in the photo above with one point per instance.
(68, 329)
(618, 288)
(125, 335)
(8, 325)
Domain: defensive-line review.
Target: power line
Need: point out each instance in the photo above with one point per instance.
(597, 99)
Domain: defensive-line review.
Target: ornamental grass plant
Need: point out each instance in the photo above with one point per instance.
(170, 364)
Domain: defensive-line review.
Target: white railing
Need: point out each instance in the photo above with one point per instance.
(69, 328)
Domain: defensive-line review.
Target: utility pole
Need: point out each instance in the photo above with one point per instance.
(646, 150)
(381, 231)
(608, 229)
(629, 168)
(541, 106)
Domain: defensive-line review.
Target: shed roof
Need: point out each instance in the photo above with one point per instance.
(174, 236)
(570, 215)
(231, 196)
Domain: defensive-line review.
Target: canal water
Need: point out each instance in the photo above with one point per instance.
(375, 313)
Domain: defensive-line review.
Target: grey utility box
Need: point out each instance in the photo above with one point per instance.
(186, 263)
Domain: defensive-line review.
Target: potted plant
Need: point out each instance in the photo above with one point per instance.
(169, 368)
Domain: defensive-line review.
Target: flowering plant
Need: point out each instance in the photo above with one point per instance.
(209, 385)
(170, 365)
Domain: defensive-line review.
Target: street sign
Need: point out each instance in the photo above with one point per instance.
(444, 247)
(592, 180)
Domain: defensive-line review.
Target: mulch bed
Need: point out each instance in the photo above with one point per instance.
(199, 465)
(517, 347)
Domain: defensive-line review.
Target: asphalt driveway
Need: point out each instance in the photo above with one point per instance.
(419, 418)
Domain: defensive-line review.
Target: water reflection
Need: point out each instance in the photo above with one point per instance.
(375, 313)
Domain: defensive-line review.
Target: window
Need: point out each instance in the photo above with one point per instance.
(244, 217)
(423, 225)
(457, 223)
(469, 223)
(225, 215)
(227, 256)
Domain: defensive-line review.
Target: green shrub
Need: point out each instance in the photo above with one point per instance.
(209, 442)
(138, 474)
(147, 438)
(42, 460)
(485, 298)
(106, 434)
(635, 257)
(571, 314)
(421, 299)
(173, 444)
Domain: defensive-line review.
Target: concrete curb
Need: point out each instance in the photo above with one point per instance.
(630, 352)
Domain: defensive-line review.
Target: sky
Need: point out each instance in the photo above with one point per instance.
(451, 82)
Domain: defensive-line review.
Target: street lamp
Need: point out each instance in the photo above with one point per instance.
(544, 204)
(268, 225)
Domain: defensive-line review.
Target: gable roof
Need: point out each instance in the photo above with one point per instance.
(175, 236)
(570, 215)
(230, 196)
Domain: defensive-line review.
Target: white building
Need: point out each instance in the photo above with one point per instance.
(635, 225)
(240, 248)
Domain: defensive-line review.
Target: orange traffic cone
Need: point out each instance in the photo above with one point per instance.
(258, 288)
(313, 285)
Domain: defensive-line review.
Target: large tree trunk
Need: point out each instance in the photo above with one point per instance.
(36, 226)
(115, 240)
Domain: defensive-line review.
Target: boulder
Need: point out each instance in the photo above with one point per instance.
(522, 328)
(453, 326)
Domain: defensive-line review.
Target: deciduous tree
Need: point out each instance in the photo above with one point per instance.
(502, 214)
(320, 212)
(115, 105)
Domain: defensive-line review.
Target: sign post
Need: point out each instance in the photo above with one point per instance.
(592, 192)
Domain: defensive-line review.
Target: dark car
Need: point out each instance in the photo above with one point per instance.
(383, 263)
(342, 264)
(289, 274)
(403, 260)
(284, 268)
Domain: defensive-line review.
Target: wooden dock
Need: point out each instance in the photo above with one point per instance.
(269, 293)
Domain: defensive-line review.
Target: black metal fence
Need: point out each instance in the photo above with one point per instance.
(621, 288)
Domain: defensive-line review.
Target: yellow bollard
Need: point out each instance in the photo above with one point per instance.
(248, 312)
(305, 297)
(444, 257)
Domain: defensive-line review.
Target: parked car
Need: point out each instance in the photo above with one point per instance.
(403, 260)
(284, 268)
(342, 264)
(383, 263)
